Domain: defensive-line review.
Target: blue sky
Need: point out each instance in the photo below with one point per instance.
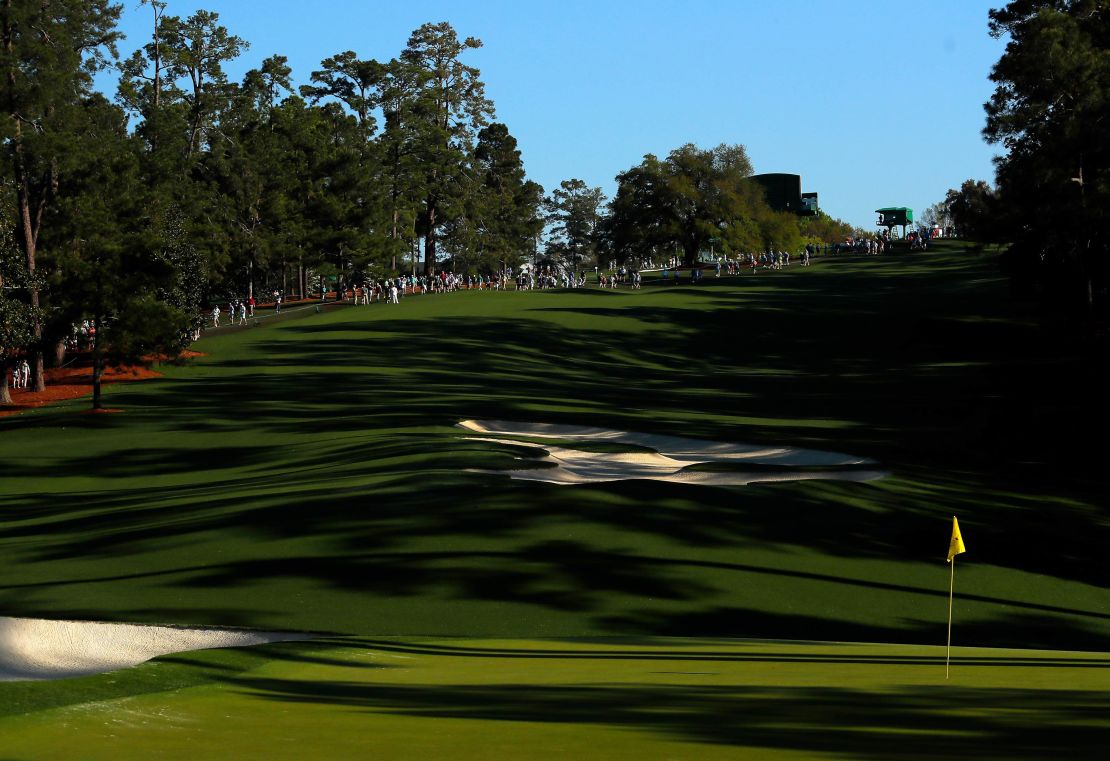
(872, 103)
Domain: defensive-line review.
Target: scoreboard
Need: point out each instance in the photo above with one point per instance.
(895, 215)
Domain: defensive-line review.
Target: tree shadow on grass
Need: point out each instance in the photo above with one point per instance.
(373, 526)
(906, 723)
(1011, 630)
(946, 404)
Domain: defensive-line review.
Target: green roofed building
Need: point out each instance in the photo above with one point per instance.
(894, 216)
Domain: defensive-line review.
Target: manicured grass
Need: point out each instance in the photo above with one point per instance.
(307, 475)
(597, 699)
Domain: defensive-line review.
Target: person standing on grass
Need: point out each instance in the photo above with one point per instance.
(250, 305)
(242, 313)
(215, 317)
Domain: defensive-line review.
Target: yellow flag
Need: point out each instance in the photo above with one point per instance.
(956, 545)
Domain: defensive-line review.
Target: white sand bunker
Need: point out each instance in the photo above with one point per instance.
(33, 648)
(670, 459)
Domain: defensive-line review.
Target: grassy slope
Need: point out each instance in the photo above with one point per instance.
(305, 475)
(675, 699)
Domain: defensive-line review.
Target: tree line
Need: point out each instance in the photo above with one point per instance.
(1050, 203)
(136, 211)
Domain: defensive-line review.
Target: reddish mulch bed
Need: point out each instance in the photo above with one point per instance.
(63, 384)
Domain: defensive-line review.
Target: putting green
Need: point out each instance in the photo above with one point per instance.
(600, 699)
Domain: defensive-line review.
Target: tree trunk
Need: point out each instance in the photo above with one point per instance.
(98, 363)
(1090, 300)
(5, 395)
(157, 81)
(395, 234)
(430, 242)
(690, 252)
(29, 248)
(60, 352)
(23, 193)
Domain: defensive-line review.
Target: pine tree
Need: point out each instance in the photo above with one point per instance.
(48, 53)
(448, 104)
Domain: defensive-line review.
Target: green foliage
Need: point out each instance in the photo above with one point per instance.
(358, 84)
(196, 50)
(447, 102)
(187, 290)
(50, 52)
(973, 209)
(124, 266)
(574, 216)
(937, 215)
(1049, 110)
(142, 325)
(821, 229)
(501, 214)
(17, 317)
(696, 200)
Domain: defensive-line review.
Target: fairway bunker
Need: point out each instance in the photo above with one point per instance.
(35, 649)
(671, 458)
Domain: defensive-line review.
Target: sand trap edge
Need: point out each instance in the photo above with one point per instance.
(37, 649)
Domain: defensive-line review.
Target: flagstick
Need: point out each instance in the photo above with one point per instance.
(951, 587)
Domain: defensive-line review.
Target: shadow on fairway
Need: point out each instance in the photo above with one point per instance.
(843, 361)
(656, 653)
(924, 723)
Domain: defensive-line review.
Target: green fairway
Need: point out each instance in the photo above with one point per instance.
(307, 475)
(601, 699)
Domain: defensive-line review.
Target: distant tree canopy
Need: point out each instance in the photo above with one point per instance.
(972, 210)
(937, 215)
(1049, 112)
(574, 215)
(821, 228)
(699, 200)
(135, 213)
